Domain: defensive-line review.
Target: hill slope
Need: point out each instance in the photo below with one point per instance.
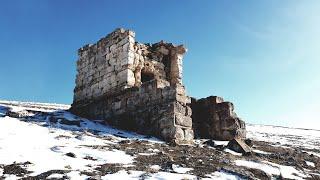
(44, 141)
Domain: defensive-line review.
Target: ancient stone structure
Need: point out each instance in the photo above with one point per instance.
(215, 118)
(139, 87)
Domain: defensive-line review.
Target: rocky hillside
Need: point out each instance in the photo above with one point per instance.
(45, 141)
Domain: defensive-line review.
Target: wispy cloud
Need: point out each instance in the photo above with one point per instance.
(260, 34)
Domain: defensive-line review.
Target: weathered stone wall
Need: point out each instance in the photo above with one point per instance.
(103, 67)
(134, 86)
(215, 119)
(139, 87)
(148, 110)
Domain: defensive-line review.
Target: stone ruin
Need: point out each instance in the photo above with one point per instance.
(138, 87)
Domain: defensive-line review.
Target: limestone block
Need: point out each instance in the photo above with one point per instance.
(188, 135)
(113, 48)
(163, 50)
(188, 111)
(130, 78)
(131, 39)
(183, 99)
(180, 90)
(127, 58)
(116, 105)
(168, 92)
(132, 34)
(168, 133)
(183, 120)
(128, 47)
(179, 134)
(162, 83)
(166, 122)
(123, 41)
(215, 99)
(179, 108)
(239, 146)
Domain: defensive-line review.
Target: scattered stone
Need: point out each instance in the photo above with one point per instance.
(210, 143)
(90, 158)
(238, 145)
(248, 142)
(18, 114)
(53, 119)
(70, 123)
(16, 169)
(45, 175)
(70, 154)
(124, 142)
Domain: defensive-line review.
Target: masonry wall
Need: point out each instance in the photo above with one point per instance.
(148, 110)
(134, 86)
(103, 67)
(139, 87)
(215, 118)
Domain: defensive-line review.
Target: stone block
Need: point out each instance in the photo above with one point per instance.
(166, 122)
(179, 108)
(239, 146)
(215, 99)
(188, 134)
(183, 120)
(179, 134)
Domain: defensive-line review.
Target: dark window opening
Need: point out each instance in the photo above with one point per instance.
(145, 77)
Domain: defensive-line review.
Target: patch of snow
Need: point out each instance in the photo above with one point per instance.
(10, 177)
(273, 169)
(173, 176)
(233, 152)
(260, 152)
(123, 175)
(128, 165)
(75, 175)
(221, 175)
(155, 167)
(307, 138)
(21, 141)
(309, 163)
(36, 105)
(146, 154)
(57, 176)
(219, 143)
(288, 172)
(179, 169)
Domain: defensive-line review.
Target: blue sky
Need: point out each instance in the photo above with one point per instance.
(261, 55)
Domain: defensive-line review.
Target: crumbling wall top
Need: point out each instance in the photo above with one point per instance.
(117, 62)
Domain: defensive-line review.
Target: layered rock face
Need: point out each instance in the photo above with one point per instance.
(215, 119)
(134, 86)
(139, 87)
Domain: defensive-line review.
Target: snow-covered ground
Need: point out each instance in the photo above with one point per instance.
(283, 136)
(48, 144)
